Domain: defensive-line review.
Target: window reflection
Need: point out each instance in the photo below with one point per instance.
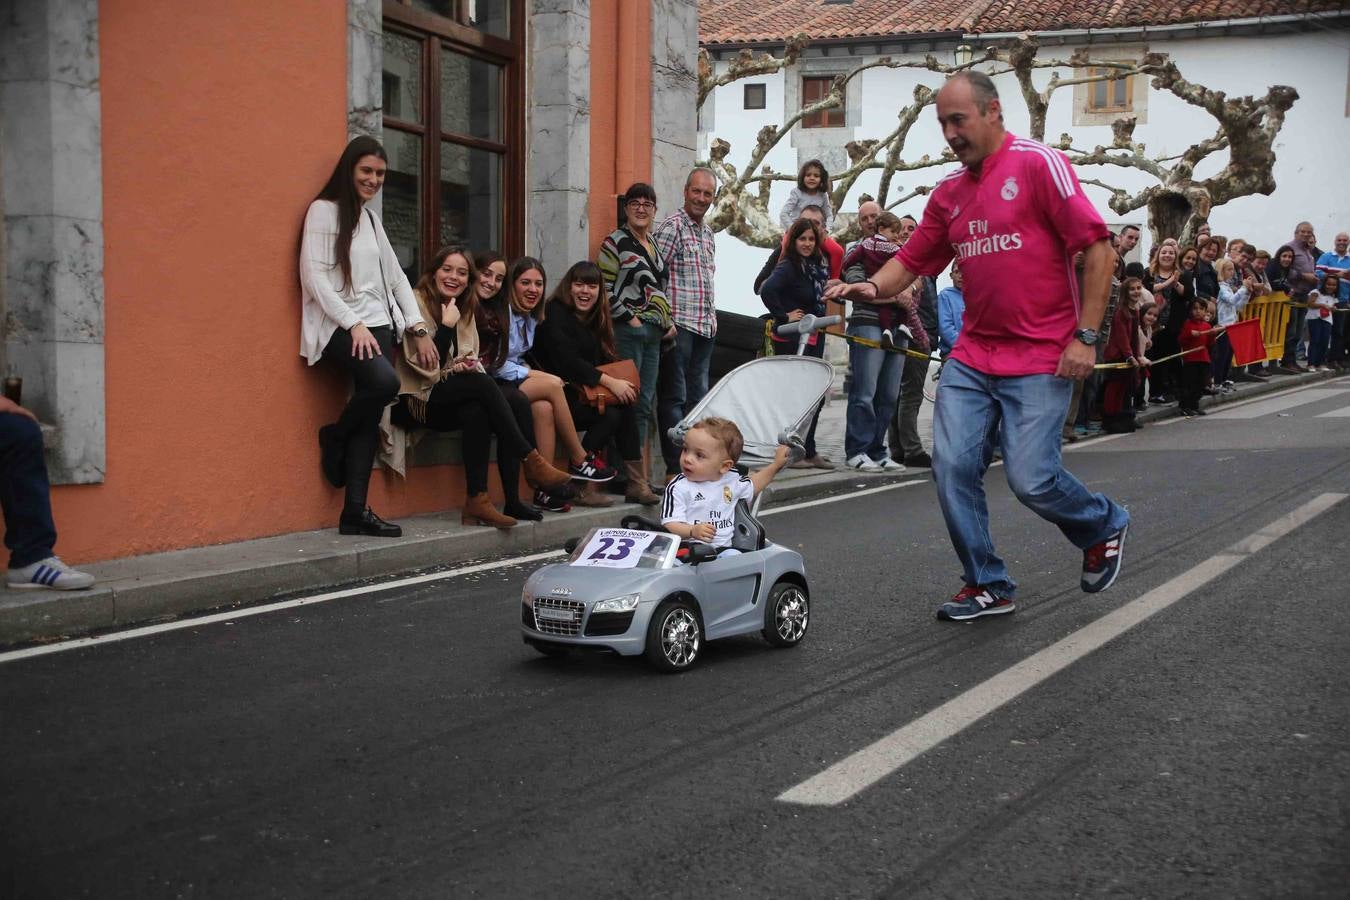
(402, 210)
(471, 196)
(471, 92)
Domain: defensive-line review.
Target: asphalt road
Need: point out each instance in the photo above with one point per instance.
(406, 744)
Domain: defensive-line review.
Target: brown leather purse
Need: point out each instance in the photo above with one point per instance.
(599, 396)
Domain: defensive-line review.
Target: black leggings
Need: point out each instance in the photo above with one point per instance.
(1192, 385)
(472, 403)
(617, 423)
(375, 385)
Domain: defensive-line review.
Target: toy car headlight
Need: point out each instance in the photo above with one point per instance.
(626, 603)
(527, 594)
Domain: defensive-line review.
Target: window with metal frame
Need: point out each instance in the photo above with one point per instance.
(454, 127)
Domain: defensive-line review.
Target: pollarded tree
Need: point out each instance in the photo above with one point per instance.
(1176, 204)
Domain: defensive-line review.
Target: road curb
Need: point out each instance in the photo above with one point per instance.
(162, 586)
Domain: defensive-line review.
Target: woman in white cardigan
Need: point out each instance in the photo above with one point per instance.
(356, 301)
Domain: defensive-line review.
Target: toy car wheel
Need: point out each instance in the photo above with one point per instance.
(674, 636)
(787, 614)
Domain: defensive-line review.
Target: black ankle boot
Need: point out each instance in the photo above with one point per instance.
(368, 524)
(517, 510)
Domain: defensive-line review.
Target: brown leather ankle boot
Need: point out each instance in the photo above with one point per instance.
(591, 495)
(542, 475)
(478, 510)
(638, 490)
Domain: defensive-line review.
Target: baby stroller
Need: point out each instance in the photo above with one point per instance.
(771, 399)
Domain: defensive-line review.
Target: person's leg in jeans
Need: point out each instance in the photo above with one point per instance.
(642, 344)
(884, 401)
(1336, 355)
(903, 434)
(1032, 410)
(696, 353)
(1319, 339)
(670, 402)
(1292, 335)
(25, 492)
(965, 425)
(375, 385)
(1222, 352)
(864, 366)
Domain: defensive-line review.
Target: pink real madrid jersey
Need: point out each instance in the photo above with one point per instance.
(1015, 228)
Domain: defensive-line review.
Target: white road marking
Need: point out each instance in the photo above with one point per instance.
(864, 768)
(232, 615)
(1265, 406)
(1342, 413)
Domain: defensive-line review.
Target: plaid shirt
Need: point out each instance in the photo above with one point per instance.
(688, 249)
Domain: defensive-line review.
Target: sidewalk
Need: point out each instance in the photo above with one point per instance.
(160, 586)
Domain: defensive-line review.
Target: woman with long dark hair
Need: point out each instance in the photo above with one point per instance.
(571, 342)
(356, 302)
(460, 395)
(506, 331)
(797, 287)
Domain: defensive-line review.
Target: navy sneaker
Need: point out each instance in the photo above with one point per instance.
(972, 602)
(547, 502)
(591, 469)
(1102, 561)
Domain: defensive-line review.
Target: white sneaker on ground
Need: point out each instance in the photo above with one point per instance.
(863, 463)
(49, 573)
(889, 465)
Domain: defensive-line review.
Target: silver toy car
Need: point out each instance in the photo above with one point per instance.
(628, 590)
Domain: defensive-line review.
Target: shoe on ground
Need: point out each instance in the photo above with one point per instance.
(920, 460)
(1102, 561)
(49, 574)
(973, 602)
(518, 510)
(332, 456)
(547, 502)
(368, 524)
(863, 463)
(1199, 412)
(820, 461)
(591, 469)
(889, 465)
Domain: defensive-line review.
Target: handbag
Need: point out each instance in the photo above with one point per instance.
(600, 396)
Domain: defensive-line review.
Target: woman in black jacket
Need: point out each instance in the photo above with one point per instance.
(571, 343)
(797, 287)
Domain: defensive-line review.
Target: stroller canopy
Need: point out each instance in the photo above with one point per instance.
(768, 399)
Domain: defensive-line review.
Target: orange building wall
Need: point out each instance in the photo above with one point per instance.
(221, 121)
(621, 107)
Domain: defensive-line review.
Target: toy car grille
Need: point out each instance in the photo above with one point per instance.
(554, 616)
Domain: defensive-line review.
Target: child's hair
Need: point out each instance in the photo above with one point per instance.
(1144, 310)
(888, 220)
(1331, 285)
(824, 186)
(1127, 288)
(1199, 303)
(1224, 269)
(1262, 254)
(725, 432)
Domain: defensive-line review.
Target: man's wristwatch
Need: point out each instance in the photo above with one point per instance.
(1086, 335)
(418, 331)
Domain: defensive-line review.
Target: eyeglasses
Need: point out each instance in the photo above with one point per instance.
(641, 204)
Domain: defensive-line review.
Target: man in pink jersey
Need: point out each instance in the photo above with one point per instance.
(1015, 215)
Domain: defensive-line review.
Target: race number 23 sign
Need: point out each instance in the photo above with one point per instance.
(615, 548)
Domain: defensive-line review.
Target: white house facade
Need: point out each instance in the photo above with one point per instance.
(1241, 57)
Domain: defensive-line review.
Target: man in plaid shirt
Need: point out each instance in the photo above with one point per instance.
(686, 243)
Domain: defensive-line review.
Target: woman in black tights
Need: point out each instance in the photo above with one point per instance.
(459, 395)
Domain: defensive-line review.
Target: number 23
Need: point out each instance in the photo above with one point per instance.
(620, 551)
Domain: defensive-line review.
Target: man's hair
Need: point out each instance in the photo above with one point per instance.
(705, 170)
(911, 218)
(1126, 228)
(725, 432)
(1233, 241)
(816, 207)
(981, 87)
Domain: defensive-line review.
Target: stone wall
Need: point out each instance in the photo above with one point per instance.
(674, 97)
(52, 168)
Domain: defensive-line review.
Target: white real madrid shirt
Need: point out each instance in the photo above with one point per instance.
(695, 502)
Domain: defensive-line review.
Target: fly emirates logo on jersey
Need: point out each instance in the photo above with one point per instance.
(980, 242)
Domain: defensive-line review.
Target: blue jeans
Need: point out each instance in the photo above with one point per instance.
(970, 408)
(873, 389)
(25, 493)
(684, 381)
(1319, 340)
(642, 344)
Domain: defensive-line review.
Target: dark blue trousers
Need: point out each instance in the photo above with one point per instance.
(25, 493)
